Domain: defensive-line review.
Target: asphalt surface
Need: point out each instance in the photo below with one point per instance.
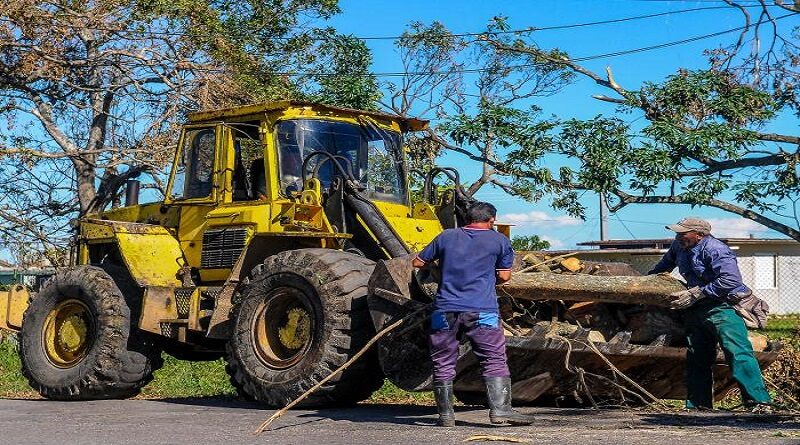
(214, 421)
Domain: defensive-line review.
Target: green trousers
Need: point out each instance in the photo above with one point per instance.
(710, 322)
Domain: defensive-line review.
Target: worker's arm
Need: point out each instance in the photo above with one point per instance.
(503, 276)
(429, 254)
(728, 278)
(505, 261)
(667, 263)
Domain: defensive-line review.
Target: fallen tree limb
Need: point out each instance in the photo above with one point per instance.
(649, 289)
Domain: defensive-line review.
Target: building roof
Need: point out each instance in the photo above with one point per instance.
(663, 243)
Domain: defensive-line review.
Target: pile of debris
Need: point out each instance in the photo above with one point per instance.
(606, 298)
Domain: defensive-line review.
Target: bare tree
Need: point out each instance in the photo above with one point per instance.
(92, 91)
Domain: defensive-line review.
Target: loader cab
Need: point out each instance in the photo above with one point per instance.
(262, 160)
(238, 175)
(219, 163)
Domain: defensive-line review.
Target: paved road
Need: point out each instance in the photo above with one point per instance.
(212, 421)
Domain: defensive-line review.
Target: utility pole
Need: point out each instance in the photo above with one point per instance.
(603, 217)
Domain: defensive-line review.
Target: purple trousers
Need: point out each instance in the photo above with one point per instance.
(484, 333)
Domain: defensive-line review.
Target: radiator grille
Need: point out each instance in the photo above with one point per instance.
(222, 247)
(167, 330)
(183, 298)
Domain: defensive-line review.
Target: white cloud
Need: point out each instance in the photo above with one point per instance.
(736, 228)
(538, 219)
(555, 243)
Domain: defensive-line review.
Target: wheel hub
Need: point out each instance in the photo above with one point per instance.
(67, 333)
(283, 328)
(297, 330)
(72, 334)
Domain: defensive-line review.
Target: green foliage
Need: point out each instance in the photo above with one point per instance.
(179, 379)
(345, 80)
(531, 242)
(698, 121)
(697, 97)
(252, 41)
(696, 138)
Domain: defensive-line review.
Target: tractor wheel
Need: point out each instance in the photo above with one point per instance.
(76, 343)
(298, 317)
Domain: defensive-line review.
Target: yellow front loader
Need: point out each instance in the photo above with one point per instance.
(260, 252)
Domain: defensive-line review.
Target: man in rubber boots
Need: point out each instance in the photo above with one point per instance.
(472, 259)
(713, 279)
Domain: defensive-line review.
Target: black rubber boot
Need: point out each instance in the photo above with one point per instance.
(443, 392)
(498, 393)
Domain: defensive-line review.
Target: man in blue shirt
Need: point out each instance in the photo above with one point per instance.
(712, 275)
(472, 259)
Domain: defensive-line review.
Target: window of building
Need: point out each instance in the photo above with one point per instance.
(766, 276)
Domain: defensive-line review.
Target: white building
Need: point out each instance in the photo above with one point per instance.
(771, 267)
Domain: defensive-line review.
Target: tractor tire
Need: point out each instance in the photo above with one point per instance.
(76, 341)
(297, 318)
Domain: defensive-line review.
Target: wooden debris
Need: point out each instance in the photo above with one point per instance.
(759, 341)
(650, 289)
(562, 329)
(528, 390)
(490, 438)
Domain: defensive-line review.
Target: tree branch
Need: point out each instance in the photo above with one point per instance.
(626, 199)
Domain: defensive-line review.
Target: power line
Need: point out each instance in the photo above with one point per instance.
(464, 34)
(625, 227)
(529, 65)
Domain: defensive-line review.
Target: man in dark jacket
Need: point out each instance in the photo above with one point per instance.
(713, 279)
(472, 259)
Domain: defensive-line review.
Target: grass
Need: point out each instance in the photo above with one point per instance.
(391, 394)
(782, 327)
(181, 379)
(12, 383)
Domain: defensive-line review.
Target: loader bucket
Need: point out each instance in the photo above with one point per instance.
(546, 364)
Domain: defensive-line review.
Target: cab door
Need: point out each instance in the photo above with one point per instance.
(195, 185)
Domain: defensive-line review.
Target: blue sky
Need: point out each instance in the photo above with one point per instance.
(371, 18)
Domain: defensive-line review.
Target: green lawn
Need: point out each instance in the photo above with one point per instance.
(12, 384)
(180, 379)
(782, 327)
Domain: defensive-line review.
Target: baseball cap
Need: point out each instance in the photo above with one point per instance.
(690, 224)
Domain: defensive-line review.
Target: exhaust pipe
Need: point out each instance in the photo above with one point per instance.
(132, 192)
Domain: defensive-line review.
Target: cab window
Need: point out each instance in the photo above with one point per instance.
(194, 176)
(249, 181)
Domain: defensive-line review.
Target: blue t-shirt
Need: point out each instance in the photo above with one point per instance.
(468, 259)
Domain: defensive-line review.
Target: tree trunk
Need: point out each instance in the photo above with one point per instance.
(651, 289)
(85, 177)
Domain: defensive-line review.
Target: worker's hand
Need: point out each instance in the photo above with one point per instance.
(686, 298)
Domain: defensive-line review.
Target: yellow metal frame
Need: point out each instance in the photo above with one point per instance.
(13, 303)
(151, 253)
